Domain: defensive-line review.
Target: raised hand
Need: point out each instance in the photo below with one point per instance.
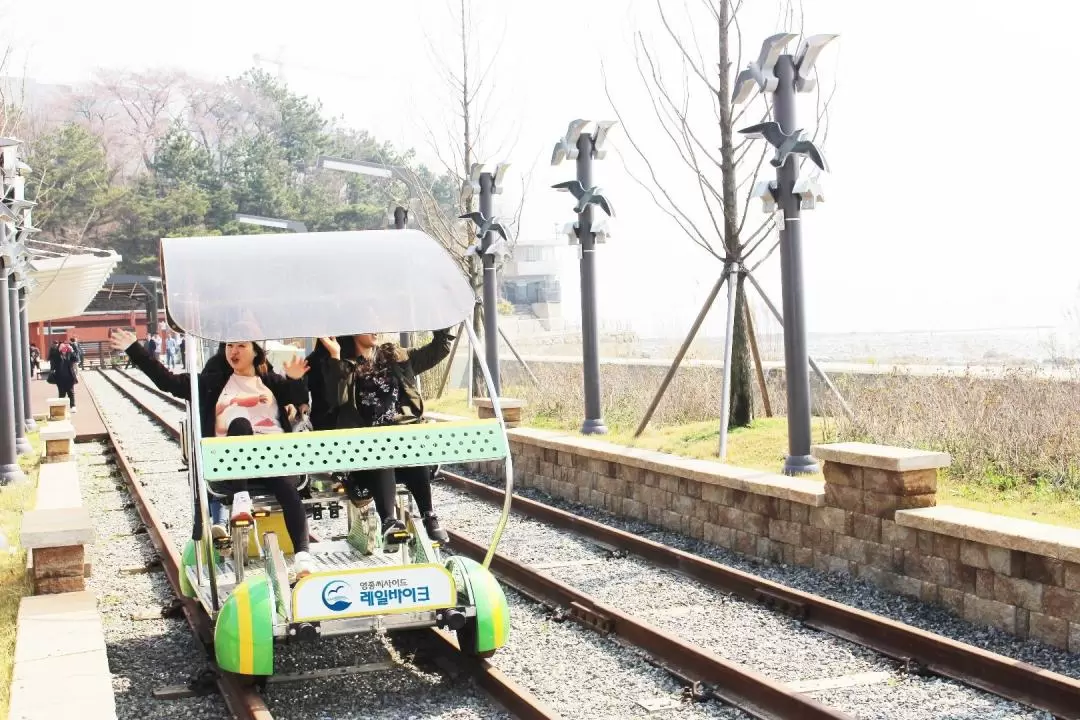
(122, 339)
(295, 367)
(332, 347)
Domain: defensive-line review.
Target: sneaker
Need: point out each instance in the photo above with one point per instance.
(71, 409)
(242, 509)
(303, 565)
(394, 533)
(434, 530)
(219, 532)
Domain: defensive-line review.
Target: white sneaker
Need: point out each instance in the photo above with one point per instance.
(303, 564)
(71, 410)
(242, 509)
(219, 532)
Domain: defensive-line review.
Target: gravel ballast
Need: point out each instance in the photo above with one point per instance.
(575, 671)
(743, 632)
(144, 655)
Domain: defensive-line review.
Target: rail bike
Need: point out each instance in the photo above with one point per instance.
(239, 288)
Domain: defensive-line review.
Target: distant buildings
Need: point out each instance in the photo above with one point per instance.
(530, 280)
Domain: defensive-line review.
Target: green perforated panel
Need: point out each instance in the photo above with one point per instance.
(254, 456)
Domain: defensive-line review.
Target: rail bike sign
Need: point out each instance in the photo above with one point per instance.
(372, 591)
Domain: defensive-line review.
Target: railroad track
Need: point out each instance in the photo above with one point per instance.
(705, 673)
(243, 698)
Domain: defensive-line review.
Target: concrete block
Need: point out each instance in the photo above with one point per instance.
(60, 644)
(58, 408)
(57, 431)
(60, 527)
(58, 486)
(511, 409)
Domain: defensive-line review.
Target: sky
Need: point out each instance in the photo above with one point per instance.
(946, 185)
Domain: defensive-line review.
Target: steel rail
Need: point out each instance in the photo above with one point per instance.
(513, 697)
(243, 702)
(997, 674)
(735, 684)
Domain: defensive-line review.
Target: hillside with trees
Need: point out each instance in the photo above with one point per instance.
(135, 157)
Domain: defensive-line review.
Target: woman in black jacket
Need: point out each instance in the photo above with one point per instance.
(240, 395)
(356, 382)
(63, 371)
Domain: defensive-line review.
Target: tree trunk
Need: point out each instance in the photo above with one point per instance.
(742, 406)
(742, 379)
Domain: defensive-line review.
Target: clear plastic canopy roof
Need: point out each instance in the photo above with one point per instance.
(258, 287)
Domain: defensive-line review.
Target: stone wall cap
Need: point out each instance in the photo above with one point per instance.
(57, 431)
(1028, 536)
(508, 403)
(60, 638)
(711, 472)
(58, 486)
(445, 417)
(57, 402)
(57, 527)
(881, 457)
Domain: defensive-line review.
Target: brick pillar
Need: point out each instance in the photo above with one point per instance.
(877, 480)
(58, 569)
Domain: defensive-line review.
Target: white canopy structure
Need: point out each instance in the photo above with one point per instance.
(64, 286)
(258, 287)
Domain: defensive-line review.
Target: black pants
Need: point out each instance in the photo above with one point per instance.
(382, 484)
(67, 391)
(283, 489)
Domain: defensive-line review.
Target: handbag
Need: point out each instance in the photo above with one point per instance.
(51, 378)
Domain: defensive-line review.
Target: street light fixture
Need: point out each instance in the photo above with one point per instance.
(293, 225)
(809, 192)
(484, 182)
(784, 75)
(806, 58)
(765, 190)
(760, 73)
(360, 167)
(583, 148)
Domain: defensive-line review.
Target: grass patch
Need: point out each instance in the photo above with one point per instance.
(14, 584)
(762, 446)
(1041, 502)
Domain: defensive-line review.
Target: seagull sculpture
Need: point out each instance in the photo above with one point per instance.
(585, 197)
(786, 144)
(483, 225)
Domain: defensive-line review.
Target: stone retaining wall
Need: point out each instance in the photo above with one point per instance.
(875, 517)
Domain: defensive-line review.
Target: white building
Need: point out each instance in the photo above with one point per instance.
(530, 279)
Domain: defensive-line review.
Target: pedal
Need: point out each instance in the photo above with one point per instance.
(335, 509)
(394, 542)
(316, 511)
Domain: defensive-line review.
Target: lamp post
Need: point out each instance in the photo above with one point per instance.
(15, 258)
(9, 429)
(583, 147)
(26, 284)
(486, 182)
(781, 74)
(400, 214)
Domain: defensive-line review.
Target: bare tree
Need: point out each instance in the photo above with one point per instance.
(468, 139)
(148, 102)
(693, 107)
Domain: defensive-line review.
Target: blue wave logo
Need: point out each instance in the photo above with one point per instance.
(336, 595)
